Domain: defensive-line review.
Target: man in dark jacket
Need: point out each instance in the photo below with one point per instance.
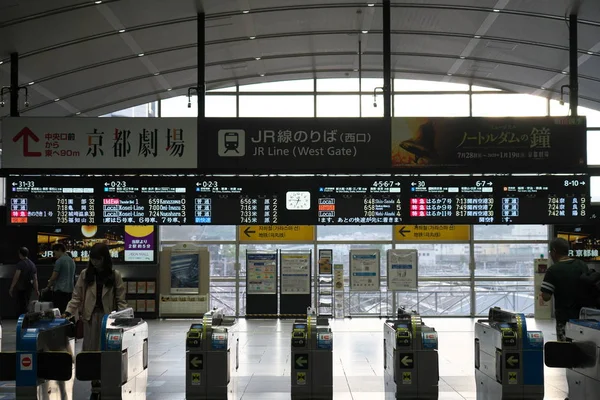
(24, 281)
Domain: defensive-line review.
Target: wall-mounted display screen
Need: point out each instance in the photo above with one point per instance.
(299, 200)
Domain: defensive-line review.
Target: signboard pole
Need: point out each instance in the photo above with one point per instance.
(387, 59)
(14, 85)
(201, 89)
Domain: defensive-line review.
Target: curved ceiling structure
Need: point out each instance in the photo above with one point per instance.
(95, 57)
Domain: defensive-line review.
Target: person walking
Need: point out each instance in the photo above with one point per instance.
(99, 291)
(24, 282)
(562, 281)
(63, 278)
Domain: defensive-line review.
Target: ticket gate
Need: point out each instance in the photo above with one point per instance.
(312, 358)
(42, 365)
(212, 349)
(411, 362)
(121, 365)
(580, 354)
(509, 360)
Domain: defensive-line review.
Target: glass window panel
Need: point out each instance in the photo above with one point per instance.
(510, 232)
(438, 298)
(177, 107)
(222, 295)
(338, 106)
(368, 110)
(341, 254)
(409, 85)
(595, 189)
(514, 296)
(276, 106)
(483, 89)
(219, 106)
(507, 260)
(302, 85)
(447, 105)
(508, 105)
(337, 85)
(354, 233)
(140, 111)
(225, 89)
(593, 147)
(369, 84)
(187, 233)
(448, 260)
(593, 116)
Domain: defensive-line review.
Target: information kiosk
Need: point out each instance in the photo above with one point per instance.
(509, 360)
(580, 354)
(312, 358)
(122, 364)
(42, 366)
(212, 348)
(411, 363)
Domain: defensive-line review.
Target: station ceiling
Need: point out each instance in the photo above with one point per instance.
(93, 57)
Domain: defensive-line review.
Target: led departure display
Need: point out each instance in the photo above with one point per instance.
(308, 200)
(360, 201)
(51, 201)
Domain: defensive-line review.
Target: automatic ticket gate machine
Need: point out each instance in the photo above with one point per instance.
(312, 358)
(580, 354)
(121, 365)
(42, 365)
(509, 359)
(212, 349)
(411, 362)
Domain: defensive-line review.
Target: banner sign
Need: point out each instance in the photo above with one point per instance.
(295, 273)
(100, 143)
(319, 145)
(489, 144)
(271, 144)
(364, 270)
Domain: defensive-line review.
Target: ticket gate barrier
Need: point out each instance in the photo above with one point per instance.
(312, 358)
(212, 350)
(121, 365)
(42, 365)
(509, 360)
(411, 362)
(580, 354)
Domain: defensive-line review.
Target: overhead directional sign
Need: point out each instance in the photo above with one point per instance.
(432, 233)
(276, 233)
(407, 360)
(196, 362)
(513, 361)
(301, 361)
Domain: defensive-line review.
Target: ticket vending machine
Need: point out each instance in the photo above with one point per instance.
(312, 358)
(580, 354)
(121, 365)
(212, 349)
(42, 365)
(509, 361)
(411, 363)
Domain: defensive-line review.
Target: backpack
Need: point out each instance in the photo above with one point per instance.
(589, 293)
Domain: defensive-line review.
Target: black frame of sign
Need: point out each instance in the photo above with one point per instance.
(278, 200)
(291, 304)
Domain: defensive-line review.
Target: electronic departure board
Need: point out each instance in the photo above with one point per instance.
(360, 201)
(144, 201)
(299, 200)
(51, 201)
(528, 200)
(451, 200)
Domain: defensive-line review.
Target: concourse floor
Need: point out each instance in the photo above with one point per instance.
(264, 371)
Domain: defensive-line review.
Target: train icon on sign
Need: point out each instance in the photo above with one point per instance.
(232, 143)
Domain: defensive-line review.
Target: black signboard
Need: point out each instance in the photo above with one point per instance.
(408, 145)
(299, 200)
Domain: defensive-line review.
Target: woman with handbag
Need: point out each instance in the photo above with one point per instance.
(99, 291)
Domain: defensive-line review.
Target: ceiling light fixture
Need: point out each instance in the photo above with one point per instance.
(141, 55)
(252, 37)
(257, 58)
(246, 11)
(591, 53)
(543, 88)
(477, 37)
(365, 31)
(31, 83)
(1, 62)
(371, 4)
(98, 2)
(262, 74)
(565, 72)
(78, 113)
(56, 99)
(169, 89)
(462, 57)
(156, 73)
(121, 30)
(496, 10)
(449, 74)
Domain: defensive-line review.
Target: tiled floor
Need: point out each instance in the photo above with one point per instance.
(264, 371)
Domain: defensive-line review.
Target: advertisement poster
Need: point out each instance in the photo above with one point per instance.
(79, 240)
(402, 269)
(325, 261)
(261, 273)
(584, 241)
(364, 270)
(185, 273)
(139, 243)
(529, 144)
(295, 273)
